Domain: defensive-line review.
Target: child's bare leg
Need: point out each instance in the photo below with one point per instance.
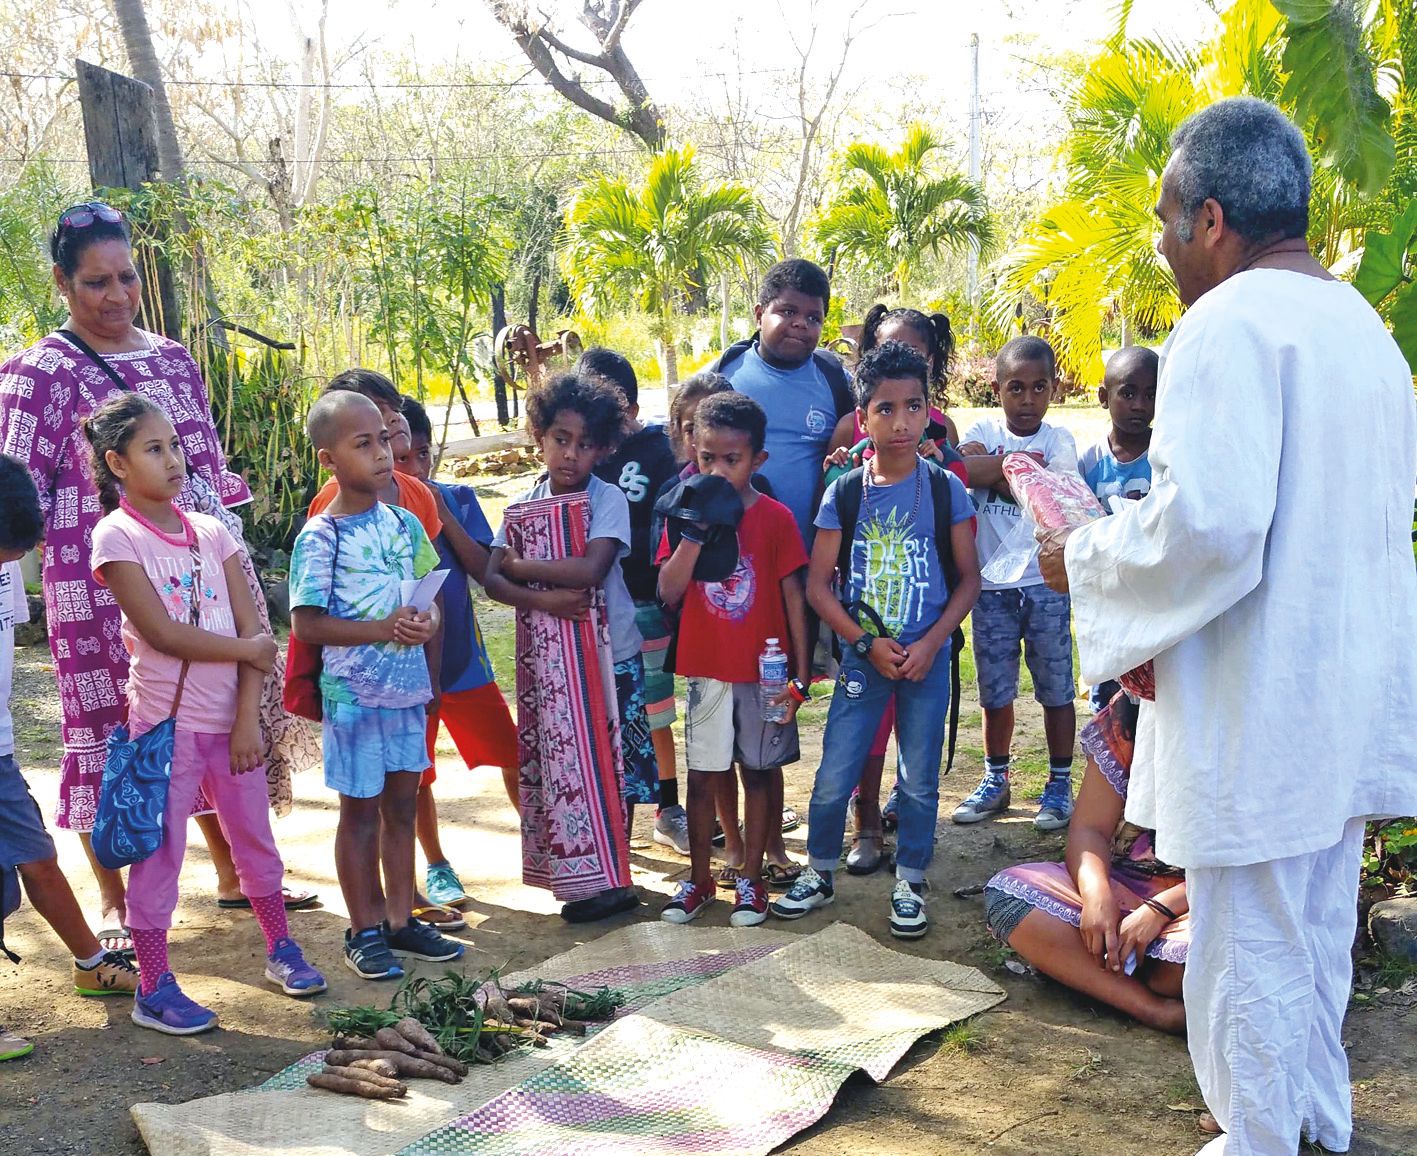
(774, 849)
(112, 894)
(1164, 978)
(999, 731)
(512, 784)
(426, 825)
(398, 809)
(228, 884)
(50, 895)
(701, 795)
(1060, 728)
(727, 807)
(357, 860)
(664, 756)
(1056, 949)
(758, 819)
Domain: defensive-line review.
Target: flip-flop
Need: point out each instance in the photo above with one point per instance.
(781, 874)
(728, 877)
(117, 935)
(456, 923)
(294, 901)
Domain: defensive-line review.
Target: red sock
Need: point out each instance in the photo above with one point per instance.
(270, 914)
(150, 946)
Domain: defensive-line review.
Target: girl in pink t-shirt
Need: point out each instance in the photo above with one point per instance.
(178, 581)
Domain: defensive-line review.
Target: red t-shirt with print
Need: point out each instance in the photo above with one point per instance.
(724, 626)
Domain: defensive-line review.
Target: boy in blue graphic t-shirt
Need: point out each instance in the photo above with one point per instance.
(898, 649)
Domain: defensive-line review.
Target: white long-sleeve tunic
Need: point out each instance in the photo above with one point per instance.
(1270, 574)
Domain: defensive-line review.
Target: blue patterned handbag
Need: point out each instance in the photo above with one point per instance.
(136, 774)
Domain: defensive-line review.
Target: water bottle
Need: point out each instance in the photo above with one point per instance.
(772, 681)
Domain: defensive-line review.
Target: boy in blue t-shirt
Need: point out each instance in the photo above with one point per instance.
(1118, 466)
(471, 705)
(898, 649)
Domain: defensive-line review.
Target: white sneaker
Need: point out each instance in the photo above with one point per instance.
(908, 918)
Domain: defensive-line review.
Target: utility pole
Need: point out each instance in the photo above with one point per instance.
(972, 280)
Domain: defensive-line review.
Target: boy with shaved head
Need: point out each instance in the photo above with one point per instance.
(346, 572)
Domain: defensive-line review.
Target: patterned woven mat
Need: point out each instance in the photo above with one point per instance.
(770, 1021)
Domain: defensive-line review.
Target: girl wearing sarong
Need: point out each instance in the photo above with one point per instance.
(584, 741)
(1111, 919)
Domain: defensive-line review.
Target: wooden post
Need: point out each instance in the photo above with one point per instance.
(120, 133)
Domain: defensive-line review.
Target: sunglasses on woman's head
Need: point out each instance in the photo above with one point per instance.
(84, 215)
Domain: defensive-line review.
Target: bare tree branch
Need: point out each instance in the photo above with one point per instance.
(606, 21)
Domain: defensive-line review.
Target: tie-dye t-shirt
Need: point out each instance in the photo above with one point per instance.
(895, 568)
(351, 567)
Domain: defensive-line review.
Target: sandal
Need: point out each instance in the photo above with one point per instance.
(440, 917)
(117, 939)
(293, 900)
(1209, 1125)
(728, 877)
(782, 874)
(790, 820)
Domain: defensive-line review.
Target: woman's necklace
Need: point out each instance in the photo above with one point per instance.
(187, 538)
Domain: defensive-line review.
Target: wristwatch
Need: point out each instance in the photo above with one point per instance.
(862, 645)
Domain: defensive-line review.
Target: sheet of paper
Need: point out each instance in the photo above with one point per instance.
(420, 592)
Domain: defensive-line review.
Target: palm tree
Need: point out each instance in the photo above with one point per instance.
(651, 247)
(893, 210)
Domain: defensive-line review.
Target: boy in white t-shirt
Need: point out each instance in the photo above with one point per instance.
(1025, 611)
(26, 850)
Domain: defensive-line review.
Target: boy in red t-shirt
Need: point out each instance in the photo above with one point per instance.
(723, 627)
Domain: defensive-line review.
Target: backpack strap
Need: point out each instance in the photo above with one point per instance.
(842, 398)
(849, 490)
(941, 497)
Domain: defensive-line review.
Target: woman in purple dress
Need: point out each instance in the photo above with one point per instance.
(1111, 920)
(44, 393)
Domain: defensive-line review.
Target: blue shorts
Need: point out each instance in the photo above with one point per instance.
(363, 744)
(23, 838)
(1040, 619)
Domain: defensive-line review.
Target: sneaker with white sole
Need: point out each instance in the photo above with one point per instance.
(1055, 808)
(422, 942)
(908, 919)
(810, 891)
(367, 954)
(442, 885)
(751, 907)
(166, 1009)
(689, 902)
(286, 966)
(671, 828)
(988, 799)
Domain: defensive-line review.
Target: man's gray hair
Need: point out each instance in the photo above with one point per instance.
(1246, 154)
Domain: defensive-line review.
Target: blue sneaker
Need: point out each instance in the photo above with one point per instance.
(1055, 808)
(286, 966)
(443, 885)
(368, 956)
(809, 892)
(908, 920)
(422, 942)
(167, 1010)
(988, 799)
(890, 813)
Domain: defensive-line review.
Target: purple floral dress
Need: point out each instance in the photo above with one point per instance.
(44, 393)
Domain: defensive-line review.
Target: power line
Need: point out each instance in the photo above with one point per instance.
(525, 82)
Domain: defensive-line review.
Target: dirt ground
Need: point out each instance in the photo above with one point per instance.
(1045, 1072)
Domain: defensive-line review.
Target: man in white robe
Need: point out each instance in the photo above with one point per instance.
(1270, 574)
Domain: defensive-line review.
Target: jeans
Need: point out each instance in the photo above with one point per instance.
(857, 706)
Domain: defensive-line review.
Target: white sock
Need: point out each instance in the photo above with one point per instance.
(92, 962)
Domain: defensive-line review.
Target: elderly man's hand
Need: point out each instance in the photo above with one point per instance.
(1050, 557)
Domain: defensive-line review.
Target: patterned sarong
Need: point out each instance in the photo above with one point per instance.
(572, 778)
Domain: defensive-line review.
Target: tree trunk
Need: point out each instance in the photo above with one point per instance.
(499, 383)
(533, 309)
(723, 314)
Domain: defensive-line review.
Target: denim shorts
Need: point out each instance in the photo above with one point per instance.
(363, 744)
(1040, 619)
(23, 838)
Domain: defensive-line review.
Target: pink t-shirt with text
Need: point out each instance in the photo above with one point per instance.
(209, 697)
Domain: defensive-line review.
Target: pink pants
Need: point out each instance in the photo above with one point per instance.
(204, 760)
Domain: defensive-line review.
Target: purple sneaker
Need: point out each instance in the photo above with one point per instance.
(166, 1009)
(286, 966)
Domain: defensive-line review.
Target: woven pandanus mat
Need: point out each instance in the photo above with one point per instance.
(772, 1022)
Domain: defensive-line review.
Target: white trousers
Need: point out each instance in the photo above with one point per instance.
(1267, 981)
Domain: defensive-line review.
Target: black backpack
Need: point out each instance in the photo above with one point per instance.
(832, 369)
(849, 492)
